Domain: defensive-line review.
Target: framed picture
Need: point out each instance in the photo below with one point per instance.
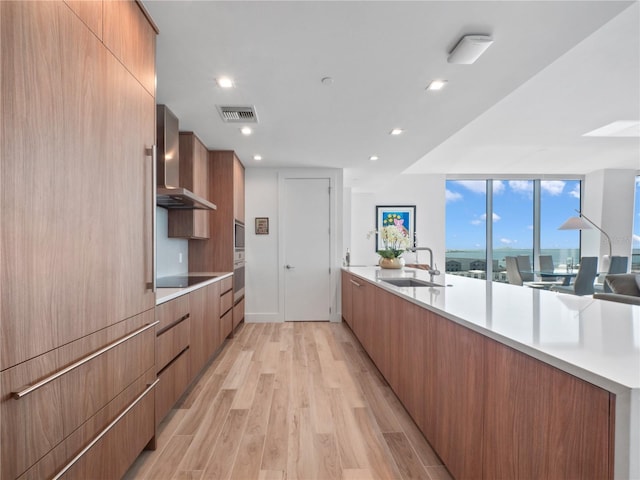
(403, 216)
(262, 225)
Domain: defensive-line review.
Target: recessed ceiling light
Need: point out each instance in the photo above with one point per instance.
(224, 82)
(621, 128)
(246, 131)
(396, 131)
(328, 81)
(257, 158)
(373, 158)
(437, 85)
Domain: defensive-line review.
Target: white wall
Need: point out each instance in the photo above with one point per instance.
(168, 250)
(263, 278)
(608, 201)
(426, 192)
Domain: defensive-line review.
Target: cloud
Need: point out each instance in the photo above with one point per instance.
(524, 187)
(483, 218)
(452, 196)
(507, 241)
(529, 227)
(475, 186)
(636, 239)
(480, 186)
(575, 193)
(554, 187)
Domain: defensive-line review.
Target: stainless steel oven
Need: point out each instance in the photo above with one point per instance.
(238, 274)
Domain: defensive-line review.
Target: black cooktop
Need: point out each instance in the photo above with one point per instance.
(181, 281)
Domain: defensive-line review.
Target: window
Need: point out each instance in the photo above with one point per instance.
(465, 234)
(525, 213)
(635, 257)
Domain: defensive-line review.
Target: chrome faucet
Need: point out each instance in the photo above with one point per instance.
(433, 269)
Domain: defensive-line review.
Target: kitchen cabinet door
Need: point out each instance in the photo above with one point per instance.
(346, 299)
(541, 422)
(238, 189)
(460, 399)
(363, 297)
(76, 199)
(194, 176)
(128, 33)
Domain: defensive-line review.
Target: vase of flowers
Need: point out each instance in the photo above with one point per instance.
(395, 240)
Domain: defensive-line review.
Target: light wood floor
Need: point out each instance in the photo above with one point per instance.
(290, 401)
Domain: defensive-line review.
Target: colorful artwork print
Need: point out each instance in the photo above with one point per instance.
(403, 217)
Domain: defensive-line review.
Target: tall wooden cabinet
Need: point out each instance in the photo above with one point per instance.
(226, 190)
(78, 109)
(194, 175)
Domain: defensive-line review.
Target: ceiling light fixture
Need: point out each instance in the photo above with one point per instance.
(224, 82)
(246, 131)
(396, 131)
(469, 49)
(257, 158)
(437, 85)
(373, 158)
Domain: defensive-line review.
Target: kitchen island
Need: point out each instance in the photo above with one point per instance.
(506, 381)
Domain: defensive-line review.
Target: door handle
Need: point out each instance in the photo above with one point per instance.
(289, 267)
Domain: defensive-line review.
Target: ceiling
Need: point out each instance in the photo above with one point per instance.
(555, 71)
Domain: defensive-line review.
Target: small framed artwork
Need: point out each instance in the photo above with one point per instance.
(402, 216)
(262, 225)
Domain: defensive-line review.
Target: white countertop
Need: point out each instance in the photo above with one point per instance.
(166, 294)
(595, 340)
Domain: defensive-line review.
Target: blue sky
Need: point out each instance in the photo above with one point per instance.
(512, 213)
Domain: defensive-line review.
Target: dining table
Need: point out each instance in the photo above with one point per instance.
(566, 275)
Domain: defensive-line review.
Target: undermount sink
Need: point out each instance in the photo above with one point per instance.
(410, 282)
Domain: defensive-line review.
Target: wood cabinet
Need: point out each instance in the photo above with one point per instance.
(346, 299)
(38, 421)
(459, 404)
(76, 197)
(205, 326)
(77, 239)
(194, 175)
(541, 422)
(489, 412)
(226, 190)
(238, 314)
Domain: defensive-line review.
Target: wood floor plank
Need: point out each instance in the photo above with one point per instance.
(272, 475)
(380, 459)
(351, 446)
(188, 475)
(439, 473)
(206, 436)
(167, 464)
(261, 406)
(356, 474)
(274, 457)
(385, 418)
(247, 390)
(408, 462)
(238, 371)
(247, 464)
(224, 453)
(321, 405)
(327, 461)
(301, 453)
(200, 405)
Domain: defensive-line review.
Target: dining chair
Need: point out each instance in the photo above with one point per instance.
(524, 266)
(617, 265)
(583, 284)
(513, 272)
(546, 263)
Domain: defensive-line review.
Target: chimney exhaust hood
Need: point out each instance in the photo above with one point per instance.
(169, 192)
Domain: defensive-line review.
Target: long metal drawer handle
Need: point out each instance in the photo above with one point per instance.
(355, 283)
(105, 431)
(58, 374)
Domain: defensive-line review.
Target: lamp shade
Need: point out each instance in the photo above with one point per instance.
(575, 223)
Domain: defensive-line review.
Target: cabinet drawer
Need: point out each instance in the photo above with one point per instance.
(173, 382)
(171, 312)
(36, 422)
(226, 302)
(238, 312)
(171, 342)
(226, 284)
(226, 325)
(118, 447)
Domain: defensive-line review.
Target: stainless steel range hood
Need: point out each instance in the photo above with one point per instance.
(169, 192)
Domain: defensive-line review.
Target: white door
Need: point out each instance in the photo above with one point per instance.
(307, 275)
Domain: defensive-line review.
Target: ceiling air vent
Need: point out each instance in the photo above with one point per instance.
(235, 114)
